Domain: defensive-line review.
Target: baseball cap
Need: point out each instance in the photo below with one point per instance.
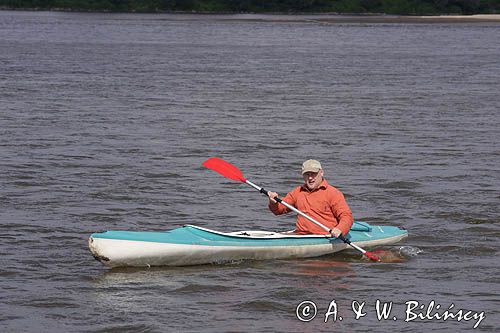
(311, 166)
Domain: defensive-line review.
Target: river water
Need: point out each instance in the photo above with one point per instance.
(106, 119)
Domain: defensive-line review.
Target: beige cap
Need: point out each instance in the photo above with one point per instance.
(311, 166)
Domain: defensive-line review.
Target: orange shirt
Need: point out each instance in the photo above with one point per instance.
(326, 205)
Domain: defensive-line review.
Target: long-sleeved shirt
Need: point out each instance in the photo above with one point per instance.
(326, 204)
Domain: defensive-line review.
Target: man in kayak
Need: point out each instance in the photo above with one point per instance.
(318, 199)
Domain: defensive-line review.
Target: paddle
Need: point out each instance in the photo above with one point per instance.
(229, 171)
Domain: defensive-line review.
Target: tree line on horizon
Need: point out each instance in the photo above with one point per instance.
(395, 7)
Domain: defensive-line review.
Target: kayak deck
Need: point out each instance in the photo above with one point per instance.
(191, 245)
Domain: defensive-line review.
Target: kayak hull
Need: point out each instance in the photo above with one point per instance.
(191, 245)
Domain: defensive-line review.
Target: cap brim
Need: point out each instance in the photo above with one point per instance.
(310, 170)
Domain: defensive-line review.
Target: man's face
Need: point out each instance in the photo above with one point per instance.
(313, 179)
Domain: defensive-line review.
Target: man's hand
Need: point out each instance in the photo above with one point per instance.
(335, 232)
(271, 196)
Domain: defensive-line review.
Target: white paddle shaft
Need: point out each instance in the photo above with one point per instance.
(287, 205)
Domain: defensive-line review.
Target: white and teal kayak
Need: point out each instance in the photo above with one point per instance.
(192, 245)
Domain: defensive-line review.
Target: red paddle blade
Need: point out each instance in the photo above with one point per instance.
(224, 168)
(389, 256)
(371, 256)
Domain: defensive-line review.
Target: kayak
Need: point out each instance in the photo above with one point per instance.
(193, 245)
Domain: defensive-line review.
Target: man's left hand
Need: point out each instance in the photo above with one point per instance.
(335, 232)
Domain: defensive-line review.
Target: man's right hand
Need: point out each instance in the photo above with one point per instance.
(271, 196)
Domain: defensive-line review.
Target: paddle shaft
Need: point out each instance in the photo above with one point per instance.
(287, 205)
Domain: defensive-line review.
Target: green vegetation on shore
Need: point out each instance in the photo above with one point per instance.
(396, 7)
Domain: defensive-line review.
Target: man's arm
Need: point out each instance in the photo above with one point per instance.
(278, 208)
(342, 212)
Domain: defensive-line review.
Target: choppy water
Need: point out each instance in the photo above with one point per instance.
(106, 119)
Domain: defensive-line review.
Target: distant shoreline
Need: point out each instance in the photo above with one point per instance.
(326, 18)
(411, 19)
